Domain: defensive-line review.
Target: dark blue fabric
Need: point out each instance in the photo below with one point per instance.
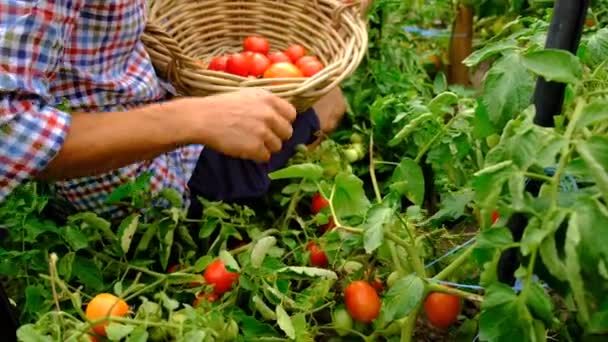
(218, 177)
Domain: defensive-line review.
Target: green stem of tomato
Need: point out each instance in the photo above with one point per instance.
(295, 198)
(65, 290)
(407, 329)
(432, 287)
(372, 169)
(461, 259)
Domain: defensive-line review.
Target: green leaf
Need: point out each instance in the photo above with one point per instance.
(482, 125)
(285, 323)
(503, 316)
(535, 234)
(489, 181)
(349, 198)
(595, 154)
(64, 266)
(554, 65)
(495, 238)
(28, 333)
(139, 334)
(508, 90)
(229, 261)
(488, 51)
(408, 180)
(310, 272)
(261, 248)
(311, 172)
(126, 231)
(75, 238)
(402, 298)
(118, 331)
(34, 299)
(539, 303)
(87, 272)
(593, 113)
(443, 103)
(598, 324)
(453, 205)
(95, 222)
(173, 196)
(378, 217)
(597, 48)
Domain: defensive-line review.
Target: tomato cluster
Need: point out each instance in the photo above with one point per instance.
(257, 61)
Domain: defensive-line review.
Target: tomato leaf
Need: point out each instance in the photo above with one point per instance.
(598, 323)
(285, 323)
(260, 250)
(117, 331)
(311, 172)
(539, 303)
(34, 299)
(310, 272)
(402, 298)
(377, 218)
(554, 65)
(408, 180)
(502, 316)
(75, 238)
(494, 238)
(229, 261)
(594, 112)
(349, 198)
(88, 272)
(594, 152)
(139, 334)
(488, 51)
(28, 333)
(596, 48)
(508, 89)
(126, 231)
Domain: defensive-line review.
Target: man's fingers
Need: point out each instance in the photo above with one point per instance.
(281, 127)
(283, 107)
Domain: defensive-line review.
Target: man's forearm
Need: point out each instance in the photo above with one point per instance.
(100, 142)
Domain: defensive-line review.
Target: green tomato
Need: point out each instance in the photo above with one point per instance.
(356, 138)
(361, 152)
(493, 140)
(231, 330)
(301, 149)
(343, 323)
(392, 279)
(351, 155)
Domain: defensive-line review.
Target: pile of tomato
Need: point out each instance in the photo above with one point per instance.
(257, 61)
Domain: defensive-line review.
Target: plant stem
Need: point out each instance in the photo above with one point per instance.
(432, 287)
(295, 198)
(431, 142)
(446, 272)
(372, 169)
(417, 264)
(407, 329)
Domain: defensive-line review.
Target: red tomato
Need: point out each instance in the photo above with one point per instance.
(311, 68)
(318, 258)
(306, 59)
(318, 203)
(295, 52)
(278, 57)
(259, 64)
(204, 297)
(495, 216)
(175, 268)
(256, 44)
(218, 63)
(238, 64)
(329, 226)
(283, 70)
(442, 309)
(217, 275)
(377, 285)
(362, 301)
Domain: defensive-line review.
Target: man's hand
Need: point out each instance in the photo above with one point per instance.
(330, 110)
(248, 124)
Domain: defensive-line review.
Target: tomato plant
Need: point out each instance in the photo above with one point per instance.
(423, 177)
(105, 305)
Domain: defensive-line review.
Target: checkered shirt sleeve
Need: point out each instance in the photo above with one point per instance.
(32, 35)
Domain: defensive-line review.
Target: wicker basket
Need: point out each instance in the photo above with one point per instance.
(181, 33)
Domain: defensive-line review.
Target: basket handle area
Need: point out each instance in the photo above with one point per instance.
(160, 44)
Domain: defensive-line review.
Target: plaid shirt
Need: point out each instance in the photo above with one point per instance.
(88, 53)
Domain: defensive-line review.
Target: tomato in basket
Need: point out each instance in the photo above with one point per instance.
(238, 64)
(256, 44)
(278, 57)
(283, 70)
(259, 64)
(218, 63)
(309, 65)
(295, 52)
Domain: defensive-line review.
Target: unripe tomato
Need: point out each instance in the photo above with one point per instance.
(318, 258)
(362, 301)
(311, 67)
(343, 323)
(295, 52)
(218, 63)
(351, 155)
(105, 305)
(204, 297)
(256, 44)
(283, 70)
(279, 57)
(442, 309)
(259, 64)
(238, 64)
(219, 277)
(318, 203)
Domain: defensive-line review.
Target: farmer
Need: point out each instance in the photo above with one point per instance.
(123, 121)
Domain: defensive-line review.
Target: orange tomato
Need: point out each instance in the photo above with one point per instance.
(105, 305)
(283, 70)
(442, 309)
